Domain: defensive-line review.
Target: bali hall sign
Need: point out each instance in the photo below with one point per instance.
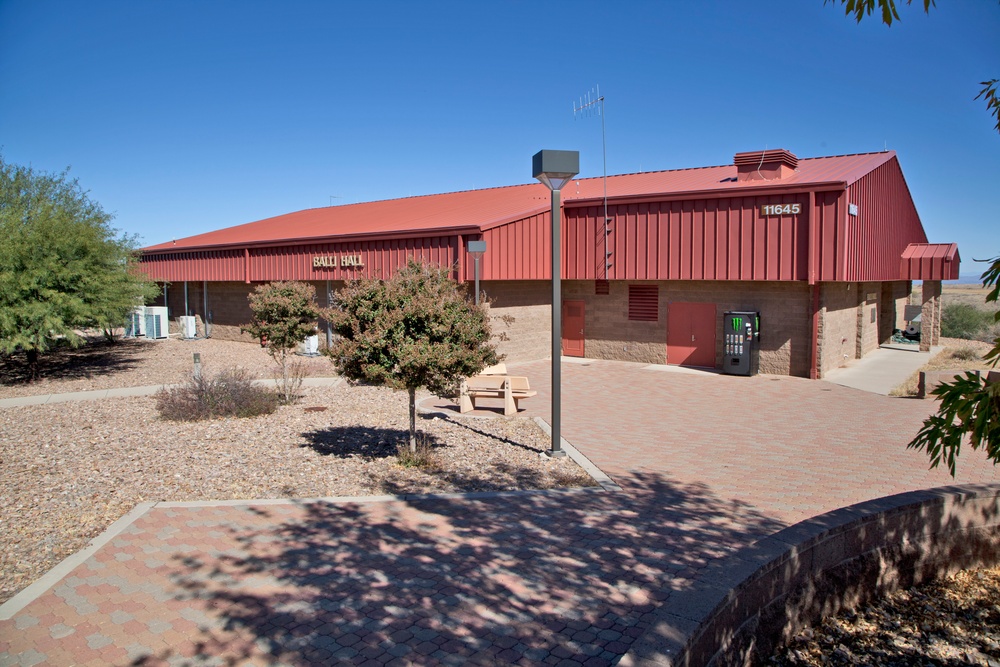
(334, 261)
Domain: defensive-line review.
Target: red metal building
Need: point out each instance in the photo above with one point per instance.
(825, 248)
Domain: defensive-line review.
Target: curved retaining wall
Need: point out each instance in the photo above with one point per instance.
(749, 602)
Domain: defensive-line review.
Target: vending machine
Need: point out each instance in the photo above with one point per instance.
(741, 340)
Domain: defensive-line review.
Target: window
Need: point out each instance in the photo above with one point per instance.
(644, 303)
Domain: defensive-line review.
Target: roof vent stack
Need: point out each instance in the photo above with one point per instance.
(768, 165)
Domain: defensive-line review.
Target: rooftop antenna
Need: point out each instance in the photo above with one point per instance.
(591, 103)
(332, 197)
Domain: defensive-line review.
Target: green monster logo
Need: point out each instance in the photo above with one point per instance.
(737, 323)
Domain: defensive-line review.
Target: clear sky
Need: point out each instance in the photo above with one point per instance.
(185, 116)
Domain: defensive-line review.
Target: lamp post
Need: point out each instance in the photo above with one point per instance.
(476, 249)
(555, 169)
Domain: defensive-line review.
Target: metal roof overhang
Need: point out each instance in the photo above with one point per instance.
(728, 193)
(929, 261)
(317, 240)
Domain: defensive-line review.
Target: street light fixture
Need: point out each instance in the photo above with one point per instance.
(555, 169)
(477, 249)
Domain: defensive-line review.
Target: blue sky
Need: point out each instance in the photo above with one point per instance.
(182, 117)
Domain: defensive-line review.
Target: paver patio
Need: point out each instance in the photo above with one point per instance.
(708, 464)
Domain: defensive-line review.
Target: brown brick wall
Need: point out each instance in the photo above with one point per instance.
(869, 297)
(228, 303)
(838, 322)
(529, 303)
(846, 329)
(901, 295)
(784, 308)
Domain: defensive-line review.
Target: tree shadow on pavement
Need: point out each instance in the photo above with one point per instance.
(532, 577)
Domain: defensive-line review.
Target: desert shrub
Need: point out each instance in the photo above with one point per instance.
(231, 393)
(966, 354)
(422, 456)
(963, 320)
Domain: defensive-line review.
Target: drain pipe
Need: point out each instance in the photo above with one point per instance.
(204, 291)
(329, 328)
(811, 262)
(187, 309)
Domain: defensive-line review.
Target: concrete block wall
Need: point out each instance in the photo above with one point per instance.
(784, 308)
(228, 304)
(770, 591)
(869, 300)
(529, 303)
(838, 325)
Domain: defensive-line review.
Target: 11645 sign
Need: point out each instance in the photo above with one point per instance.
(780, 209)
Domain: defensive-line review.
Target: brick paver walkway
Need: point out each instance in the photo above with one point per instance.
(708, 465)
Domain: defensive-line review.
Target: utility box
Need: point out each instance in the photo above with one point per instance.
(741, 341)
(189, 326)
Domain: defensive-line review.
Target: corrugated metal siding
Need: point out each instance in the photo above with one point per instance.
(831, 212)
(702, 239)
(378, 258)
(887, 222)
(930, 261)
(520, 250)
(223, 265)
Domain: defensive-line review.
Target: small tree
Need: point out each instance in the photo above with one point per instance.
(417, 329)
(284, 314)
(970, 408)
(62, 266)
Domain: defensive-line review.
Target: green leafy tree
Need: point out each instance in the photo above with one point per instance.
(416, 329)
(63, 267)
(970, 407)
(284, 314)
(889, 12)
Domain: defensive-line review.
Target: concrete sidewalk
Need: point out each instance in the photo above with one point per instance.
(882, 370)
(707, 465)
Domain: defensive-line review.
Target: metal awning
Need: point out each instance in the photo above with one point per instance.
(929, 261)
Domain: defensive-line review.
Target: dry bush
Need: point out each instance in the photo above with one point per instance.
(231, 393)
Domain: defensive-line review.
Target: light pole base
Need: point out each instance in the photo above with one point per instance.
(553, 453)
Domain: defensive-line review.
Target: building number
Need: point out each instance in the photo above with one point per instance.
(781, 209)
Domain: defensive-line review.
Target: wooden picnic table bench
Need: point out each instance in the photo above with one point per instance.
(493, 382)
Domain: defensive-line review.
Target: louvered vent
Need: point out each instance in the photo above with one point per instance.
(644, 303)
(602, 287)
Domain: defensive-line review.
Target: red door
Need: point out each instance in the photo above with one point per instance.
(572, 328)
(691, 334)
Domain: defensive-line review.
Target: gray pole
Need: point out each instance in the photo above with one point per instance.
(556, 329)
(477, 279)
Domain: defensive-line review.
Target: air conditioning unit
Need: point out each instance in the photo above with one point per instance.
(310, 346)
(135, 326)
(189, 326)
(157, 324)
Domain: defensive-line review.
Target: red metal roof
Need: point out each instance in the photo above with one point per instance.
(476, 211)
(930, 261)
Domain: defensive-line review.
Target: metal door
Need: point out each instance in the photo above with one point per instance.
(691, 334)
(572, 328)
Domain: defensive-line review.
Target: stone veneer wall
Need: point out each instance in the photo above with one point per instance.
(748, 603)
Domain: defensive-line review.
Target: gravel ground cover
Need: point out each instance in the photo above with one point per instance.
(954, 621)
(68, 470)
